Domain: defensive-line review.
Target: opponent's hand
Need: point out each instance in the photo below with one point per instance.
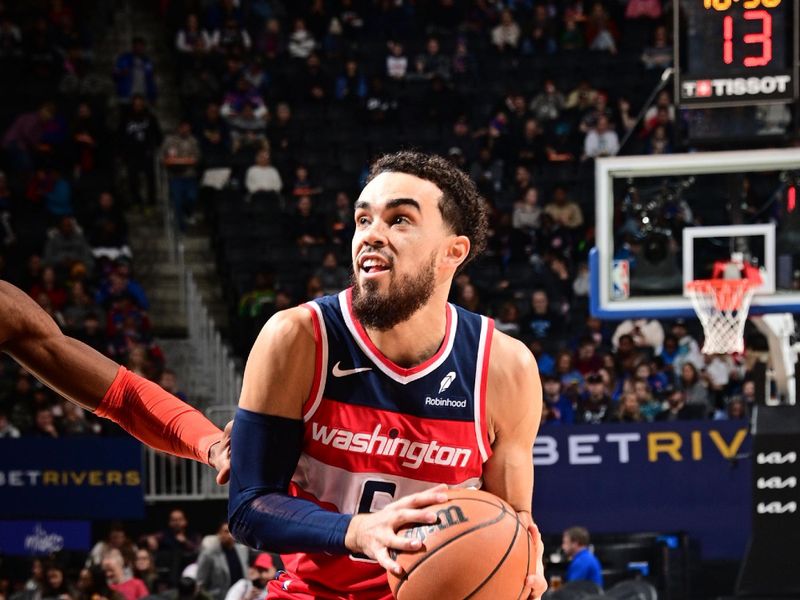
(220, 455)
(375, 534)
(535, 584)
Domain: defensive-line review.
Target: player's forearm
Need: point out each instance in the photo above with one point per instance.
(265, 450)
(157, 418)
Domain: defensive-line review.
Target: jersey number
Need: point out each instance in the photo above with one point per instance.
(371, 488)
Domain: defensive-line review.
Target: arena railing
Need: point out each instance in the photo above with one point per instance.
(213, 376)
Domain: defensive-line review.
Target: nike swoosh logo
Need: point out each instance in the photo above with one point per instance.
(338, 372)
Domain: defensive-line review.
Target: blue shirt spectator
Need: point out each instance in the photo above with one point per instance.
(134, 73)
(583, 565)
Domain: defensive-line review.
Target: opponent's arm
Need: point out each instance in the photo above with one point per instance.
(266, 444)
(95, 382)
(514, 411)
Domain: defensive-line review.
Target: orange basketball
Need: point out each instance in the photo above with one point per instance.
(477, 549)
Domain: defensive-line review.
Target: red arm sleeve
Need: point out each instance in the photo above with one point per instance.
(157, 418)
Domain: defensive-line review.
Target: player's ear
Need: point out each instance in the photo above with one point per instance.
(457, 250)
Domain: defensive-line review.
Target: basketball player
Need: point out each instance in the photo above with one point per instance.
(97, 383)
(354, 405)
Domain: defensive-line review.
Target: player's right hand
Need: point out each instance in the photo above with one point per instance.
(375, 534)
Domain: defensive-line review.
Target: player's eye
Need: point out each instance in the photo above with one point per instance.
(362, 221)
(400, 220)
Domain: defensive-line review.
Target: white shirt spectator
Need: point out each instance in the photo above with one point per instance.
(506, 35)
(396, 66)
(301, 42)
(262, 176)
(644, 333)
(601, 141)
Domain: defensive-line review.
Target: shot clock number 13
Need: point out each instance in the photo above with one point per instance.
(736, 52)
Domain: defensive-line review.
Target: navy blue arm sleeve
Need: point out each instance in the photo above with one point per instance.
(261, 514)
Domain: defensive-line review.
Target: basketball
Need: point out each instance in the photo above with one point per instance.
(477, 549)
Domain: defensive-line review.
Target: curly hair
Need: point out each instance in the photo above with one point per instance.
(463, 208)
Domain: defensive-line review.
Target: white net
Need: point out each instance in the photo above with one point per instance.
(722, 306)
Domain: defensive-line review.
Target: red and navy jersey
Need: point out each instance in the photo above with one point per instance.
(375, 432)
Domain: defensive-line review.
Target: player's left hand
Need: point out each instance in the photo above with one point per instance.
(535, 584)
(220, 455)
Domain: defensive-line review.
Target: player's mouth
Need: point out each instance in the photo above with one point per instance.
(373, 265)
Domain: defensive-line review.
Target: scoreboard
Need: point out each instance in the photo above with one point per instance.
(735, 52)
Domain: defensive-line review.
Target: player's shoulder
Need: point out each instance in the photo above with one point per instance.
(290, 327)
(512, 366)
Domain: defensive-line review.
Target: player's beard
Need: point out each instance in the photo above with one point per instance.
(405, 296)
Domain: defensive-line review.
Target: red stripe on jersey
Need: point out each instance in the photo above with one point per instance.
(368, 440)
(298, 492)
(318, 366)
(380, 356)
(484, 378)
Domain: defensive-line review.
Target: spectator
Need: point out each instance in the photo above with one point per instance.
(301, 42)
(248, 130)
(547, 105)
(231, 39)
(694, 389)
(564, 210)
(601, 31)
(262, 176)
(131, 588)
(191, 40)
(24, 138)
(541, 322)
(117, 539)
(214, 136)
(595, 404)
(177, 544)
(222, 562)
(586, 358)
(180, 154)
(556, 407)
(676, 409)
(583, 565)
(660, 54)
(688, 350)
(108, 229)
(66, 247)
(48, 286)
(648, 405)
(396, 61)
(505, 36)
(351, 85)
(507, 319)
(119, 285)
(333, 277)
(144, 567)
(56, 585)
(303, 184)
(140, 135)
(601, 140)
(270, 42)
(527, 212)
(259, 300)
(432, 62)
(254, 587)
(647, 334)
(7, 429)
(643, 9)
(735, 410)
(628, 410)
(530, 148)
(169, 382)
(134, 73)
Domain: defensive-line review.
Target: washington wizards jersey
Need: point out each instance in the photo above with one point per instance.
(375, 432)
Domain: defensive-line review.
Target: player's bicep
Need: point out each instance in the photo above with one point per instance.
(516, 409)
(66, 365)
(279, 372)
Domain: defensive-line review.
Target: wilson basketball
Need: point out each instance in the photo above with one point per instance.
(477, 549)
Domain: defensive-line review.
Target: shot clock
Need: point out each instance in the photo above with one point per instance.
(735, 52)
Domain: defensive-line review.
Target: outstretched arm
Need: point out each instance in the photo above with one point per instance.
(97, 383)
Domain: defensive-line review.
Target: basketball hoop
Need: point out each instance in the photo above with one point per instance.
(722, 306)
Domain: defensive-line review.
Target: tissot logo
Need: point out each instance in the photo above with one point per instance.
(776, 458)
(737, 86)
(776, 508)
